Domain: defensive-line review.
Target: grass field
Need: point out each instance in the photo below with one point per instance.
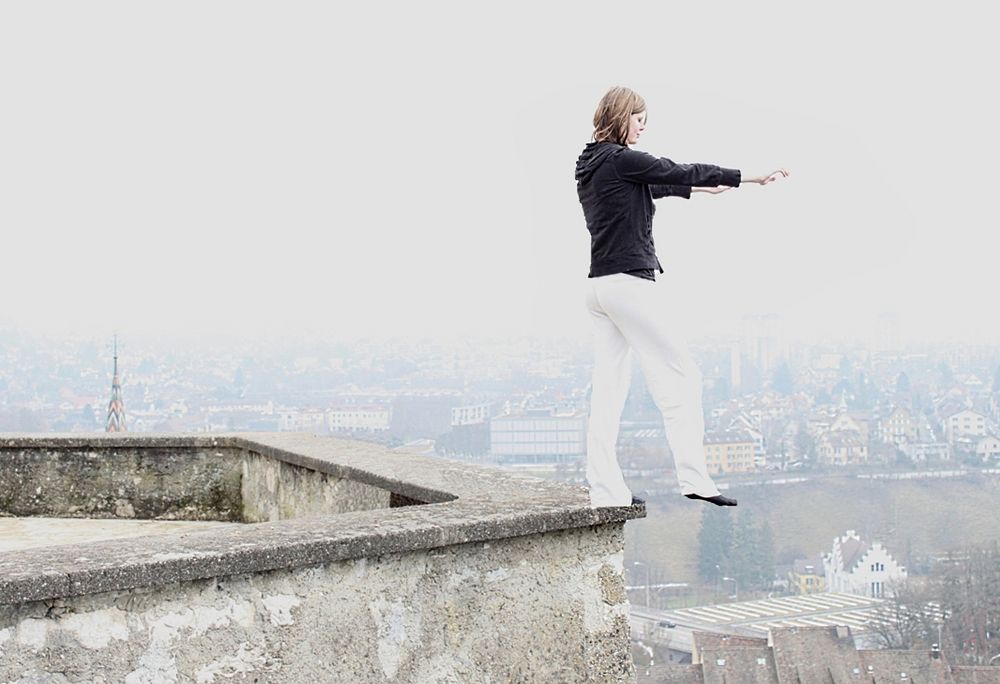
(912, 517)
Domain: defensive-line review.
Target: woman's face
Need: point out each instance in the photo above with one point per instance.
(636, 125)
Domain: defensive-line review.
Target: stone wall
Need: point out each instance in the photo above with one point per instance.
(166, 483)
(150, 482)
(366, 565)
(275, 490)
(540, 608)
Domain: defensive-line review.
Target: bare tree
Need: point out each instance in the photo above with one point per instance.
(907, 619)
(970, 597)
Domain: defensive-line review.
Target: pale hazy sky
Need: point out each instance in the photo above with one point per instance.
(407, 168)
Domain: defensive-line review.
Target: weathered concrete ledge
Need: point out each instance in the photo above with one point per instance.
(462, 503)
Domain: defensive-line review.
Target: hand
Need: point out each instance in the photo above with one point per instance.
(714, 191)
(764, 180)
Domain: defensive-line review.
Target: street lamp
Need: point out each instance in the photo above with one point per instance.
(634, 563)
(736, 586)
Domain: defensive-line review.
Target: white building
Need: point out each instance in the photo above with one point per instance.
(965, 423)
(988, 448)
(359, 418)
(899, 427)
(539, 435)
(922, 452)
(856, 566)
(471, 414)
(294, 420)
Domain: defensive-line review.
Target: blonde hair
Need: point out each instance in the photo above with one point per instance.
(613, 111)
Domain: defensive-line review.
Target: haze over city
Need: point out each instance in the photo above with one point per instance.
(348, 171)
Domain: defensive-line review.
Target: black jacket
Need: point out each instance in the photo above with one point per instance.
(617, 185)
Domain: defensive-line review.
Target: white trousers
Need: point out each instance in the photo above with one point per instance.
(630, 313)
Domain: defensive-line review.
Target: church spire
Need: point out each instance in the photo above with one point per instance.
(116, 407)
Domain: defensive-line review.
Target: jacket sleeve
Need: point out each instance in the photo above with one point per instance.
(640, 167)
(659, 191)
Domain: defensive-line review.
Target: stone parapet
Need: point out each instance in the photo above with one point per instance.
(369, 565)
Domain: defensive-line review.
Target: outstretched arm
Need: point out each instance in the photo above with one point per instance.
(640, 167)
(764, 180)
(686, 190)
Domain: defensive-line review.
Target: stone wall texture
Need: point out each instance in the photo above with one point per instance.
(274, 490)
(156, 482)
(547, 607)
(166, 483)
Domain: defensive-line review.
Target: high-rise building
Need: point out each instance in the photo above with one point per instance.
(764, 341)
(886, 333)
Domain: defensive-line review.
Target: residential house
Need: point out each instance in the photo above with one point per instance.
(899, 427)
(729, 451)
(851, 421)
(988, 448)
(806, 576)
(839, 448)
(964, 423)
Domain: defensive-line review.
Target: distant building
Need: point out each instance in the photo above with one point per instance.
(764, 340)
(899, 427)
(927, 452)
(886, 333)
(806, 576)
(730, 451)
(359, 418)
(851, 421)
(293, 420)
(748, 424)
(839, 448)
(116, 406)
(471, 414)
(539, 435)
(804, 654)
(856, 566)
(964, 423)
(988, 448)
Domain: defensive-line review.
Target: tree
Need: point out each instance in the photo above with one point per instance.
(742, 554)
(736, 548)
(763, 559)
(906, 619)
(714, 541)
(970, 599)
(805, 444)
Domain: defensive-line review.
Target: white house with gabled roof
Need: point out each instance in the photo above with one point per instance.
(856, 566)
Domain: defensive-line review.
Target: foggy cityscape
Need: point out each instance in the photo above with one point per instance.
(296, 371)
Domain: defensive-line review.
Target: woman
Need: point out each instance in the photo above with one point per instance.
(616, 186)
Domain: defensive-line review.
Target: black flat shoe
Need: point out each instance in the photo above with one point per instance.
(718, 499)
